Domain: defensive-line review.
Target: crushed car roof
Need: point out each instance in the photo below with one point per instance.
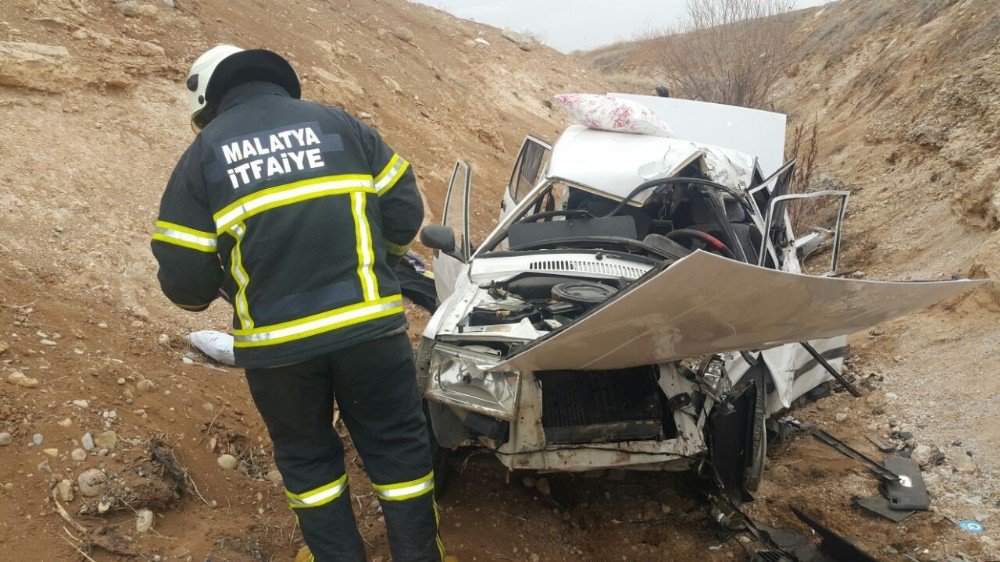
(612, 164)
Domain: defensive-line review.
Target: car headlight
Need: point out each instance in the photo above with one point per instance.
(461, 376)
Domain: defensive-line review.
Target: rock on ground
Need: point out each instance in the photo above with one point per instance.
(523, 42)
(17, 378)
(65, 490)
(227, 462)
(403, 34)
(107, 440)
(91, 482)
(143, 520)
(35, 66)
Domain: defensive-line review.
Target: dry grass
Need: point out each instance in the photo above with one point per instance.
(725, 51)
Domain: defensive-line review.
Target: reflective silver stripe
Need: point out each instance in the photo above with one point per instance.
(185, 237)
(389, 178)
(324, 495)
(289, 196)
(410, 491)
(323, 323)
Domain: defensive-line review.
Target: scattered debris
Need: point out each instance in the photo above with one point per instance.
(216, 345)
(971, 526)
(833, 544)
(883, 445)
(880, 506)
(902, 483)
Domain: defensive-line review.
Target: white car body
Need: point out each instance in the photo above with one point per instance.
(680, 329)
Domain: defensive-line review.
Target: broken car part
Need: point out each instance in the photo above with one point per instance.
(839, 548)
(706, 304)
(902, 482)
(880, 505)
(829, 368)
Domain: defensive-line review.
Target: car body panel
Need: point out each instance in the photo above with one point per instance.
(613, 164)
(752, 131)
(706, 304)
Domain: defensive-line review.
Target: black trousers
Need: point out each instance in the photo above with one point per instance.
(375, 387)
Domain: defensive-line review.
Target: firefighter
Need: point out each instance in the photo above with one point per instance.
(295, 212)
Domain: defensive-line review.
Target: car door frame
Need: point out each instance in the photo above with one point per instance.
(510, 200)
(447, 268)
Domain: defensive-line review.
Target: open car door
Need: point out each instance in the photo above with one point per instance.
(528, 170)
(456, 215)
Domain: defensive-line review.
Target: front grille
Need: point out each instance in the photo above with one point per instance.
(595, 267)
(601, 406)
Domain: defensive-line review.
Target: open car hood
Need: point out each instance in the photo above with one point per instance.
(708, 304)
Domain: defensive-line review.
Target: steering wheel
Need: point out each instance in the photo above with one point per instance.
(713, 242)
(549, 214)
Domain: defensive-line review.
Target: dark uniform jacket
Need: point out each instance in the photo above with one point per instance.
(292, 211)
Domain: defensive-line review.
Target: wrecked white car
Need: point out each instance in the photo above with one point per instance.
(641, 303)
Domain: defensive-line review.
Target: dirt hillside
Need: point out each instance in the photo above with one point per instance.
(91, 100)
(93, 117)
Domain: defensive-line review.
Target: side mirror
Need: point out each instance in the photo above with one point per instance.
(442, 238)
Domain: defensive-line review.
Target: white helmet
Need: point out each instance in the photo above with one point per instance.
(225, 66)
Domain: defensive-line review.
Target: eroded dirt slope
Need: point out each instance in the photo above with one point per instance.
(93, 117)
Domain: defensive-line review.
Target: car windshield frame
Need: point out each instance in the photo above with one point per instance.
(520, 211)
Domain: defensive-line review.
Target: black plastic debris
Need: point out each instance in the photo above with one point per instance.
(901, 482)
(881, 444)
(833, 545)
(880, 506)
(908, 491)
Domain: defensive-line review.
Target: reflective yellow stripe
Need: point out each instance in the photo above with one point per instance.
(394, 170)
(241, 277)
(179, 235)
(395, 249)
(405, 490)
(320, 496)
(282, 195)
(319, 323)
(366, 255)
(437, 526)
